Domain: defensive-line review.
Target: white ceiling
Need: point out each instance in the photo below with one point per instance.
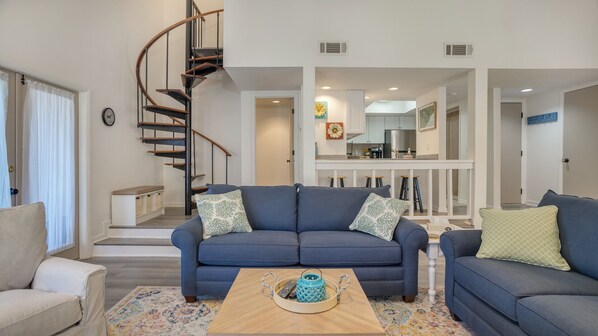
(266, 79)
(411, 83)
(512, 81)
(287, 102)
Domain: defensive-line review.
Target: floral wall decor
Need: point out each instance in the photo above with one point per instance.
(321, 111)
(335, 130)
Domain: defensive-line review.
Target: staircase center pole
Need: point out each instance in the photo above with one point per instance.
(188, 108)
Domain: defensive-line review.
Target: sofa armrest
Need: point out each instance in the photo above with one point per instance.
(412, 237)
(187, 238)
(456, 244)
(87, 281)
(460, 243)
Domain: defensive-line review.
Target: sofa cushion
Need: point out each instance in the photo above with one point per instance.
(267, 208)
(558, 315)
(35, 312)
(346, 248)
(257, 248)
(501, 283)
(578, 229)
(530, 236)
(22, 244)
(379, 216)
(332, 209)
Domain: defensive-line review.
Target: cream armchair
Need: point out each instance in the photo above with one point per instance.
(64, 297)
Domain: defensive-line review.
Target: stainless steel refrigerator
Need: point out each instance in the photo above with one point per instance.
(397, 142)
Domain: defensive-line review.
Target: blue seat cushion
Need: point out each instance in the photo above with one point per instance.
(347, 248)
(501, 283)
(559, 315)
(578, 231)
(257, 248)
(331, 209)
(267, 208)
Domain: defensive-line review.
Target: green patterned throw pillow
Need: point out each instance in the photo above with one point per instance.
(529, 236)
(222, 213)
(379, 216)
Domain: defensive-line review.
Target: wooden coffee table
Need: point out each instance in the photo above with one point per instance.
(249, 310)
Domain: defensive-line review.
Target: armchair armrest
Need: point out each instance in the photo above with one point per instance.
(187, 238)
(412, 237)
(87, 281)
(460, 243)
(455, 244)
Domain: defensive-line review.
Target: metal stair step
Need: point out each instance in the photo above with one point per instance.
(171, 141)
(176, 94)
(176, 154)
(190, 80)
(203, 52)
(166, 127)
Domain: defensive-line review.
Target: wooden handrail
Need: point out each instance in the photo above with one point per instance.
(143, 54)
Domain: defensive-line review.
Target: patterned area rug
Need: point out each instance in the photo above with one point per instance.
(163, 311)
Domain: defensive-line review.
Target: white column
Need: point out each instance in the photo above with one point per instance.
(307, 130)
(477, 137)
(496, 118)
(441, 124)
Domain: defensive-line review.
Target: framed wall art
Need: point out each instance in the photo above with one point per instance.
(427, 117)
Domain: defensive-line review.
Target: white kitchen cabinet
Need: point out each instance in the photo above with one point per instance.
(392, 122)
(361, 138)
(356, 120)
(407, 122)
(375, 129)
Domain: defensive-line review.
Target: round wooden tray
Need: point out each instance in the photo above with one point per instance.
(333, 294)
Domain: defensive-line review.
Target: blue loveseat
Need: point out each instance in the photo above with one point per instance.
(496, 297)
(298, 226)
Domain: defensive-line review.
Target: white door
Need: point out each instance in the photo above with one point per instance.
(274, 142)
(452, 142)
(510, 176)
(580, 142)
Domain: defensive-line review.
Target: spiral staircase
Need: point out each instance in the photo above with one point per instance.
(168, 130)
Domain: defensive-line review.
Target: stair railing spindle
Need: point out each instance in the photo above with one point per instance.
(167, 54)
(226, 169)
(217, 37)
(212, 163)
(194, 158)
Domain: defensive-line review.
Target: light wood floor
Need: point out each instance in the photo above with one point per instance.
(125, 274)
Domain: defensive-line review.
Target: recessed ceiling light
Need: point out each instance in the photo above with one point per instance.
(367, 97)
(527, 90)
(325, 87)
(276, 101)
(383, 101)
(393, 89)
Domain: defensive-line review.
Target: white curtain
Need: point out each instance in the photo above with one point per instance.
(49, 159)
(5, 201)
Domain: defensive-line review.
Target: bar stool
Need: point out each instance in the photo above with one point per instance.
(417, 197)
(379, 183)
(341, 181)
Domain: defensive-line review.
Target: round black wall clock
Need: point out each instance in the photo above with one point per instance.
(108, 116)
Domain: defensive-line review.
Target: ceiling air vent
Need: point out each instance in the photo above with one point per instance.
(333, 48)
(458, 50)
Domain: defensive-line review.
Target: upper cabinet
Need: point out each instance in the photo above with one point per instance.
(375, 129)
(355, 122)
(407, 122)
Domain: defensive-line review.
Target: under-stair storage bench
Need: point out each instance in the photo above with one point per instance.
(136, 205)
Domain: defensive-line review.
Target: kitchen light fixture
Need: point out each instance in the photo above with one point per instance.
(393, 89)
(367, 97)
(383, 101)
(527, 90)
(325, 87)
(276, 101)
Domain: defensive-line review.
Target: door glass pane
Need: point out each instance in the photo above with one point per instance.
(49, 159)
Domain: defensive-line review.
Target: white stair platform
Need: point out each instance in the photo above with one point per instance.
(135, 247)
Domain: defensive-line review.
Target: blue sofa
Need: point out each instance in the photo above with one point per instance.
(496, 297)
(298, 226)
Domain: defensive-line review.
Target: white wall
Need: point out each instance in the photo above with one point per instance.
(90, 46)
(337, 112)
(463, 190)
(501, 31)
(544, 144)
(428, 142)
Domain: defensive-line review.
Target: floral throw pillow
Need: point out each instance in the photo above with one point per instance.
(222, 213)
(379, 216)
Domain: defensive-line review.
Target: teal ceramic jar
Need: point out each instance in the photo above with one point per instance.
(311, 287)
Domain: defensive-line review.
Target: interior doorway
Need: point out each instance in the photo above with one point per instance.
(510, 167)
(274, 153)
(580, 142)
(452, 142)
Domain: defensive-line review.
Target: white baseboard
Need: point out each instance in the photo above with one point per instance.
(104, 233)
(532, 203)
(174, 205)
(139, 233)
